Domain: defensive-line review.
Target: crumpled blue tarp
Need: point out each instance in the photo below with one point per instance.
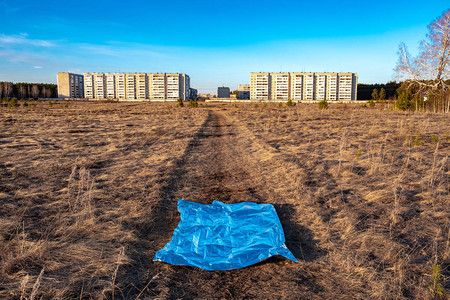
(224, 236)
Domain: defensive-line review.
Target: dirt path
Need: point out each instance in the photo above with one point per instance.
(224, 162)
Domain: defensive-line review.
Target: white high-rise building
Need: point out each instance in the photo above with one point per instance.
(110, 86)
(157, 83)
(173, 86)
(130, 86)
(320, 86)
(260, 86)
(120, 80)
(303, 86)
(89, 86)
(100, 85)
(346, 88)
(280, 86)
(127, 86)
(332, 86)
(296, 86)
(308, 86)
(141, 86)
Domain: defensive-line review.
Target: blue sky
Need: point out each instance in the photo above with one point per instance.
(215, 42)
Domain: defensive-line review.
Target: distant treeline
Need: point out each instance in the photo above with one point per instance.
(25, 90)
(365, 90)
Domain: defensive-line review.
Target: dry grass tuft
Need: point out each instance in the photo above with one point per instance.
(88, 195)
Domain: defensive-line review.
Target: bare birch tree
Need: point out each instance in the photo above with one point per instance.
(35, 91)
(7, 88)
(430, 68)
(22, 91)
(46, 92)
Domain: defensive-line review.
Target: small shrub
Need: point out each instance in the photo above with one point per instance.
(358, 153)
(50, 103)
(280, 104)
(371, 103)
(13, 102)
(434, 139)
(256, 105)
(180, 102)
(193, 102)
(436, 287)
(323, 104)
(417, 141)
(290, 103)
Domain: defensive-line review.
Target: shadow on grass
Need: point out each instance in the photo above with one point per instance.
(299, 239)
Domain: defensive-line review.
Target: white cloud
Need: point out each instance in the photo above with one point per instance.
(37, 67)
(7, 8)
(22, 39)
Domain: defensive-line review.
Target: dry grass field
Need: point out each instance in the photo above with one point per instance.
(88, 194)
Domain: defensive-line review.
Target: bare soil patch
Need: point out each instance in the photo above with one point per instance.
(88, 194)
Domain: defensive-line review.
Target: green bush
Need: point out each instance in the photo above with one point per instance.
(323, 104)
(417, 141)
(13, 102)
(371, 103)
(193, 102)
(436, 287)
(280, 104)
(290, 103)
(180, 102)
(434, 139)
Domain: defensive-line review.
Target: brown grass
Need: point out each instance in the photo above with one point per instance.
(88, 195)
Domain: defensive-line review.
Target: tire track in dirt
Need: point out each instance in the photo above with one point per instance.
(223, 162)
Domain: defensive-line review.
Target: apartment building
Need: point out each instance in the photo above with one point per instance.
(320, 86)
(332, 87)
(296, 86)
(303, 86)
(185, 86)
(70, 85)
(346, 86)
(223, 92)
(89, 86)
(124, 86)
(157, 86)
(130, 81)
(260, 86)
(173, 82)
(99, 85)
(141, 86)
(280, 86)
(244, 87)
(110, 85)
(308, 86)
(120, 81)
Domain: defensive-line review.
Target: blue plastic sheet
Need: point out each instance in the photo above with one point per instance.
(224, 236)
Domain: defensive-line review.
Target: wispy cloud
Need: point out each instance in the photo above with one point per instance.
(37, 67)
(22, 39)
(7, 8)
